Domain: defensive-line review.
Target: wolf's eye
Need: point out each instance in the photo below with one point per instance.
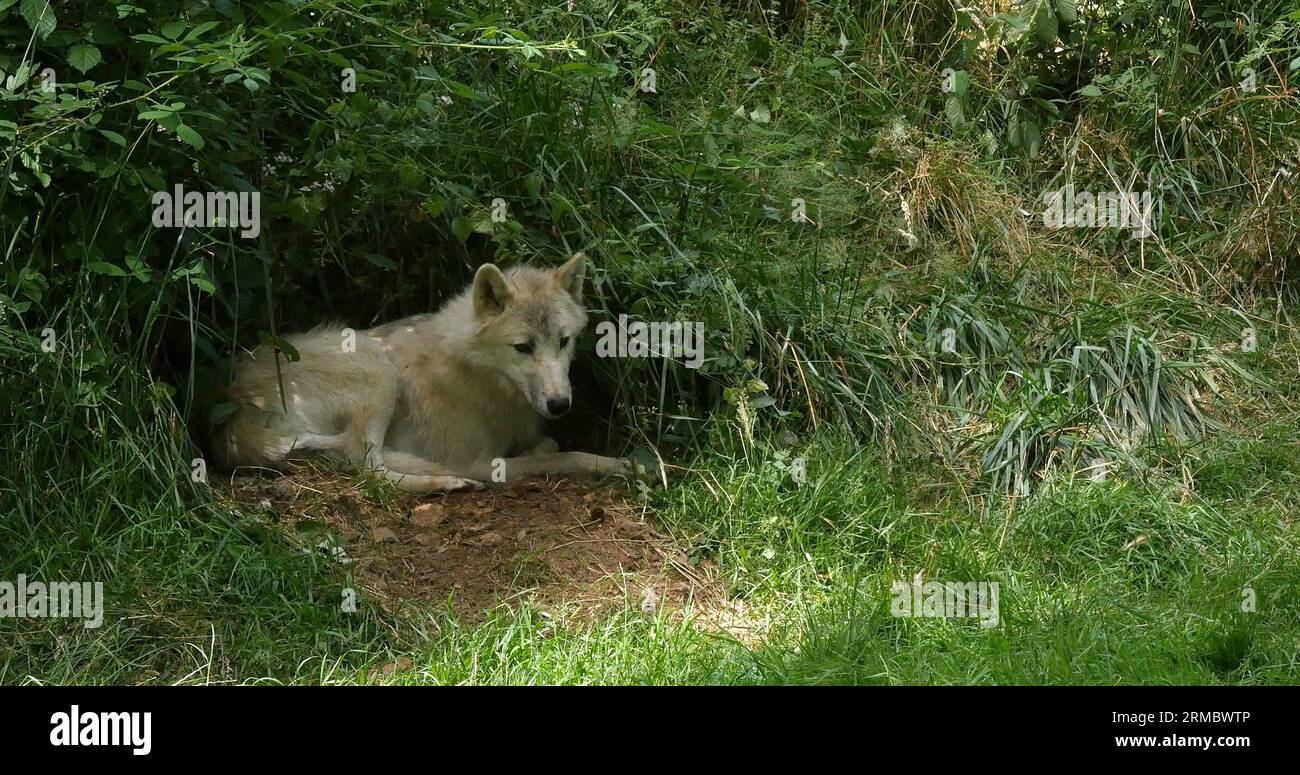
(524, 347)
(564, 342)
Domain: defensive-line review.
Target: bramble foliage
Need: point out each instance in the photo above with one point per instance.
(377, 200)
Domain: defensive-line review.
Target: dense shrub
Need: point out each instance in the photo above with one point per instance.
(377, 195)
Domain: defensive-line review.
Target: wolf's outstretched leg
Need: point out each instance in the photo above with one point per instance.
(514, 468)
(578, 463)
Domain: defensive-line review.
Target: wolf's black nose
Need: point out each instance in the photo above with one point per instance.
(558, 406)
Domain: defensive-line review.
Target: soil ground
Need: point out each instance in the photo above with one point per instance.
(579, 547)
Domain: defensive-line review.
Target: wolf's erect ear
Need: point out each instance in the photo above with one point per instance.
(491, 295)
(570, 275)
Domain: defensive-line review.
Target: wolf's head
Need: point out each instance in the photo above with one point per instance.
(528, 320)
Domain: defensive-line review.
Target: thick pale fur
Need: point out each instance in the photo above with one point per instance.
(429, 401)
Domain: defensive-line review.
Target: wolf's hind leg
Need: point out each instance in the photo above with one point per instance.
(415, 474)
(424, 485)
(365, 448)
(319, 442)
(414, 464)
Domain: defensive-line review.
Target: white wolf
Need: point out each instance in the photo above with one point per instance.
(435, 402)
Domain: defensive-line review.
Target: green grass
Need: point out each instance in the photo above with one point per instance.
(1101, 582)
(825, 341)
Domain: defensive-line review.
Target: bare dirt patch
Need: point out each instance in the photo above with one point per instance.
(577, 546)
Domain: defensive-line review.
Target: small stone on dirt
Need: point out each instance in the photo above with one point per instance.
(428, 515)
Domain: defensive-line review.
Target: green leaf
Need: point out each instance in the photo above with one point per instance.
(1030, 136)
(190, 136)
(39, 16)
(383, 262)
(1090, 90)
(434, 206)
(173, 30)
(137, 266)
(561, 208)
(287, 350)
(83, 56)
(1067, 10)
(953, 109)
(960, 83)
(462, 90)
(103, 267)
(199, 30)
(113, 137)
(462, 227)
(1045, 25)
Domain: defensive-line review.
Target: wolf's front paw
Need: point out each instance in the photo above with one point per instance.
(609, 466)
(461, 484)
